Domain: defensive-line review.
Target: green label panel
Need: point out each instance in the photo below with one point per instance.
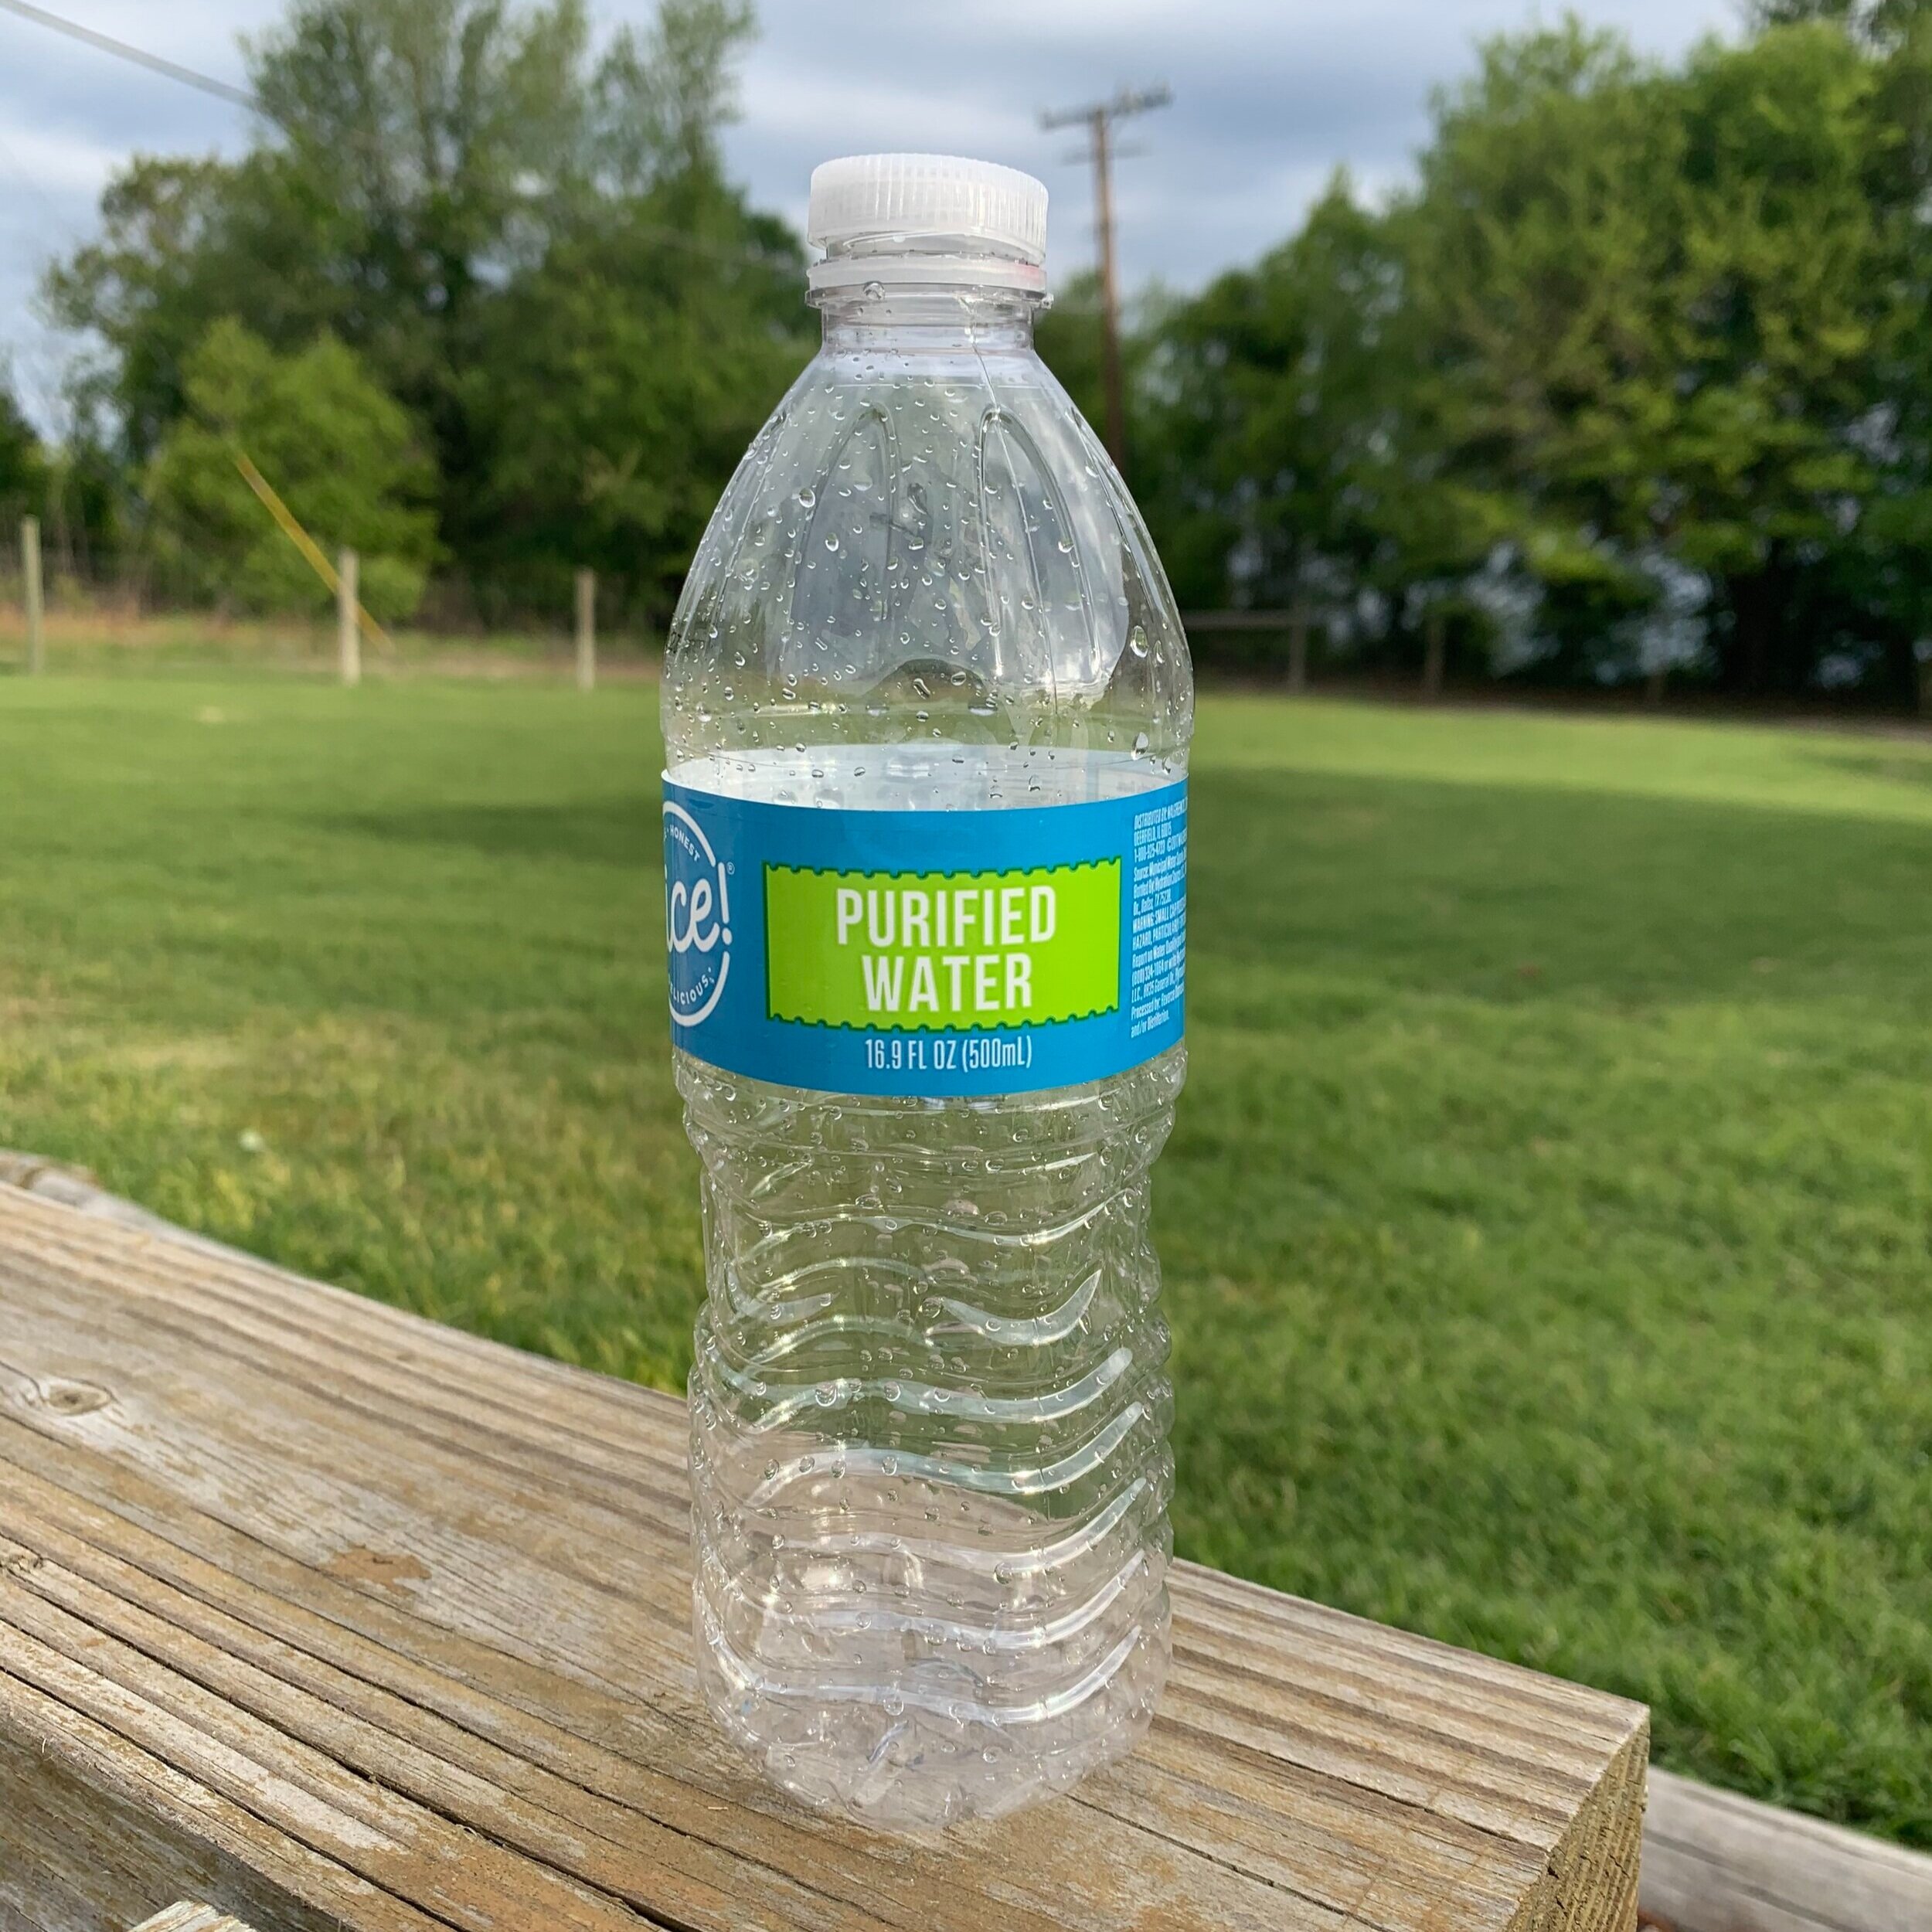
(941, 952)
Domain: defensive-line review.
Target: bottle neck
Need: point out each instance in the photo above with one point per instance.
(933, 292)
(928, 317)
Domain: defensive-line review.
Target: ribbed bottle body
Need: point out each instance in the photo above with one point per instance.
(929, 1411)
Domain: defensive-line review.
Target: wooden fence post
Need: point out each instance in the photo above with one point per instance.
(587, 630)
(348, 630)
(1298, 646)
(30, 575)
(1435, 642)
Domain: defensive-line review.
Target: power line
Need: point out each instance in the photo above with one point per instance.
(154, 63)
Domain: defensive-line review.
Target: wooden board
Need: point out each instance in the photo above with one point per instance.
(329, 1617)
(1714, 1862)
(187, 1917)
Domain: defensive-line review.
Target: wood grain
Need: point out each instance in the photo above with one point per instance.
(189, 1917)
(332, 1618)
(1714, 1862)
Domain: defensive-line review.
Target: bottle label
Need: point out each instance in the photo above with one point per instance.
(931, 953)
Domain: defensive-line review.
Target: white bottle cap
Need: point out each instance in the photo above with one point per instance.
(875, 204)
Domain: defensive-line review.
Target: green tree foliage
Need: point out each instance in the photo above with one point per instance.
(1641, 362)
(1274, 440)
(1637, 373)
(620, 382)
(663, 94)
(1657, 307)
(342, 454)
(425, 148)
(1878, 22)
(1069, 334)
(431, 182)
(23, 466)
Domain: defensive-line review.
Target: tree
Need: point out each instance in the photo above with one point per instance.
(1659, 306)
(344, 457)
(432, 145)
(1067, 334)
(421, 166)
(167, 265)
(1641, 369)
(1879, 23)
(1282, 409)
(620, 382)
(1799, 267)
(23, 466)
(1532, 243)
(622, 377)
(663, 96)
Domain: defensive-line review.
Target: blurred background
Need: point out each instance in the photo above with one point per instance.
(1594, 354)
(1536, 416)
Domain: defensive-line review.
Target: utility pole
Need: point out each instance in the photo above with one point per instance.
(1098, 119)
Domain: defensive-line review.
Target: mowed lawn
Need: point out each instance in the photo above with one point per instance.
(1548, 1230)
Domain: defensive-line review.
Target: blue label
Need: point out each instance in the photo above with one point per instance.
(934, 954)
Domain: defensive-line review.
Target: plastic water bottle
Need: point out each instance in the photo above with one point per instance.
(927, 705)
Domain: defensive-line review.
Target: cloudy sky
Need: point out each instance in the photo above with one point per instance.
(1269, 95)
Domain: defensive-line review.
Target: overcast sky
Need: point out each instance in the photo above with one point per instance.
(1269, 95)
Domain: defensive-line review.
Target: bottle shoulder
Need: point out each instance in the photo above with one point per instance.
(927, 540)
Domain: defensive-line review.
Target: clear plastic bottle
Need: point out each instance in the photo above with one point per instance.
(926, 659)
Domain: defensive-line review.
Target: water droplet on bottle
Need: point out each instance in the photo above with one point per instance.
(1140, 744)
(1137, 641)
(807, 496)
(832, 539)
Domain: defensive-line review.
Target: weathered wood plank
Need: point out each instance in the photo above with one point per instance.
(93, 1833)
(185, 1917)
(1714, 1862)
(359, 1620)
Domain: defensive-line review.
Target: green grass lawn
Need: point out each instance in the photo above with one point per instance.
(1548, 1231)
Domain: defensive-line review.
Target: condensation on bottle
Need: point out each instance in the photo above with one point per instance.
(925, 658)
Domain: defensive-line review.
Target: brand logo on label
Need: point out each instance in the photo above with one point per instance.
(697, 901)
